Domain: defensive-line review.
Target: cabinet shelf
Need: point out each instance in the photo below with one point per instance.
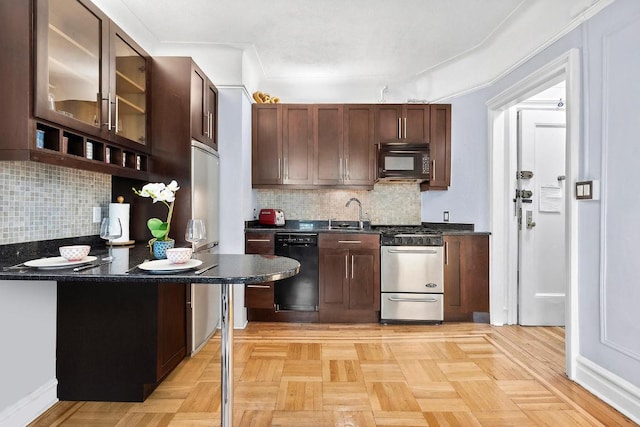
(128, 107)
(73, 42)
(60, 144)
(127, 85)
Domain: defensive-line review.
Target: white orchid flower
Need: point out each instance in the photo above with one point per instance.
(173, 186)
(166, 195)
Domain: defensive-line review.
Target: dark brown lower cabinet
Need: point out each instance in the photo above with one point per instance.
(466, 278)
(349, 277)
(117, 341)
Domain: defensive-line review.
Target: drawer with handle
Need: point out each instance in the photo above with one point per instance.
(259, 243)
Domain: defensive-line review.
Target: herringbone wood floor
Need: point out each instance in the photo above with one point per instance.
(461, 374)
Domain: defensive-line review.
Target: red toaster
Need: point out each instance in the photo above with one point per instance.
(271, 217)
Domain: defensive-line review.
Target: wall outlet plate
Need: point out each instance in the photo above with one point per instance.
(96, 214)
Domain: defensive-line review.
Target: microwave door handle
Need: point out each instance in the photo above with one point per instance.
(404, 152)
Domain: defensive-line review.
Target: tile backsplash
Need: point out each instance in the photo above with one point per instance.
(43, 202)
(385, 204)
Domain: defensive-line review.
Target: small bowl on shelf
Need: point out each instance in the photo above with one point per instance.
(179, 255)
(75, 252)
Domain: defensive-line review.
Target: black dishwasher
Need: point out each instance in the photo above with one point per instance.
(300, 292)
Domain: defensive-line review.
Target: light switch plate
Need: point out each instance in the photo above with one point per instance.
(588, 190)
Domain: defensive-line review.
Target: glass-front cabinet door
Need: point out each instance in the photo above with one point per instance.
(90, 76)
(70, 63)
(130, 119)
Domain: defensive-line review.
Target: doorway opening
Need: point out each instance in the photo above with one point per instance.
(503, 136)
(539, 205)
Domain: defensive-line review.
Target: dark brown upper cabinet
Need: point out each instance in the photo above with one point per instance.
(359, 146)
(402, 122)
(204, 108)
(90, 76)
(266, 145)
(439, 148)
(62, 61)
(297, 144)
(328, 144)
(282, 145)
(308, 146)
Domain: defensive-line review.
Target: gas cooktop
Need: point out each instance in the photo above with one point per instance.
(408, 235)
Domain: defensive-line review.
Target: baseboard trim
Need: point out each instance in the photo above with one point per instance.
(610, 388)
(30, 407)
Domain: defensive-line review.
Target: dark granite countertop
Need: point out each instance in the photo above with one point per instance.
(313, 226)
(231, 268)
(321, 226)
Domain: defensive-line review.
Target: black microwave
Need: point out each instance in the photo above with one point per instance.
(403, 161)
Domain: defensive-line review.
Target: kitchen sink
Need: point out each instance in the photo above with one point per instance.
(346, 225)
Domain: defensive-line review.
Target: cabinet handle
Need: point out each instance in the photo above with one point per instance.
(259, 286)
(346, 168)
(279, 167)
(446, 253)
(117, 99)
(350, 241)
(433, 170)
(399, 128)
(108, 111)
(405, 128)
(346, 266)
(210, 120)
(412, 299)
(258, 240)
(286, 169)
(414, 251)
(352, 266)
(206, 131)
(340, 169)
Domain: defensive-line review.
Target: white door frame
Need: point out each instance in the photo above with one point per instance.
(503, 295)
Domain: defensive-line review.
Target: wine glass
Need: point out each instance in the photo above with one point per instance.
(195, 233)
(111, 228)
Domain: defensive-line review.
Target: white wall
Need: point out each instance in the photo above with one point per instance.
(236, 197)
(28, 357)
(467, 199)
(608, 230)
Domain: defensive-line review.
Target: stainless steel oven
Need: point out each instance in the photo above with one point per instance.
(412, 275)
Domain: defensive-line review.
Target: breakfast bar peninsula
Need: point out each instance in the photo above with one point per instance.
(117, 284)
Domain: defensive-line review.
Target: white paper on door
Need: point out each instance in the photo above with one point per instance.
(550, 199)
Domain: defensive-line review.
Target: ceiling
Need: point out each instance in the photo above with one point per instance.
(341, 41)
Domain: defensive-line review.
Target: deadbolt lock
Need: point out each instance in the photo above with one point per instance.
(524, 175)
(530, 222)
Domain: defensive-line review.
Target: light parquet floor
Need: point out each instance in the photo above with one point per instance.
(285, 374)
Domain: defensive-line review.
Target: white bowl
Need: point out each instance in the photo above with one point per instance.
(179, 255)
(74, 253)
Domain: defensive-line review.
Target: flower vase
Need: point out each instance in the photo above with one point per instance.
(160, 248)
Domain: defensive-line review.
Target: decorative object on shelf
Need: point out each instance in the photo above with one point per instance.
(265, 98)
(165, 194)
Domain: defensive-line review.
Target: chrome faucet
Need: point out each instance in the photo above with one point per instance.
(360, 217)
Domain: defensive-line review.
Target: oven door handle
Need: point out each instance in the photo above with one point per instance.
(408, 251)
(396, 299)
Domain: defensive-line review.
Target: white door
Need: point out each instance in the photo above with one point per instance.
(542, 195)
